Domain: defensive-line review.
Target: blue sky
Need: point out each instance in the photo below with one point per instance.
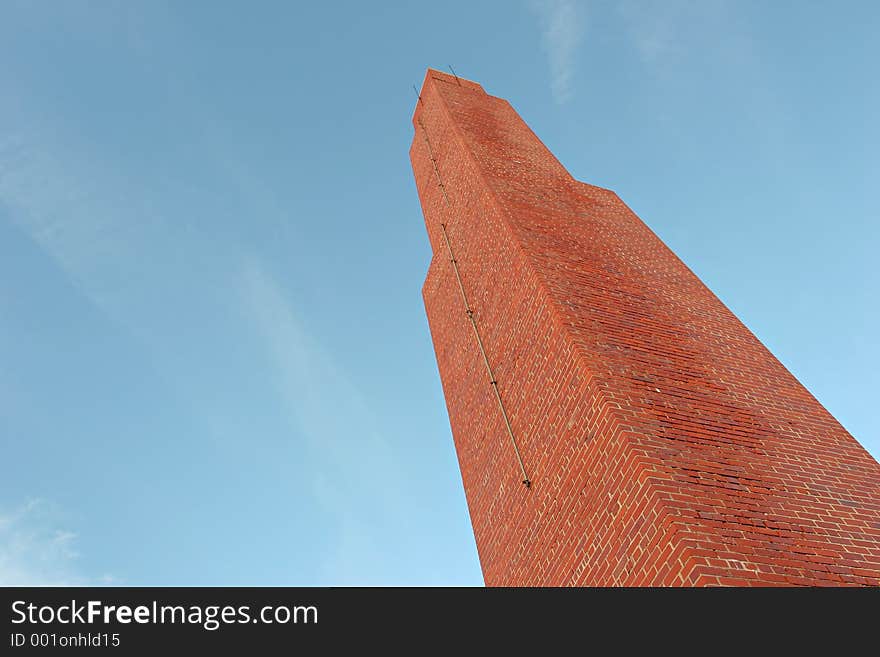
(215, 366)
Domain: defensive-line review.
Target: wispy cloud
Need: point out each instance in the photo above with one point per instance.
(679, 41)
(665, 34)
(562, 28)
(652, 27)
(344, 461)
(83, 215)
(36, 549)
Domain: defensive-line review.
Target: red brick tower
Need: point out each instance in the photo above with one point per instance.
(660, 442)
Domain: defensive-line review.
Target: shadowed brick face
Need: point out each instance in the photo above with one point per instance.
(665, 444)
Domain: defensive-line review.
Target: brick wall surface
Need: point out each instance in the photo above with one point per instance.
(665, 444)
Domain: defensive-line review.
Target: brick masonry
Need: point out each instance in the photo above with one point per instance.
(666, 445)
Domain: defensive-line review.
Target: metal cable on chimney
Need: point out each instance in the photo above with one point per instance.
(469, 312)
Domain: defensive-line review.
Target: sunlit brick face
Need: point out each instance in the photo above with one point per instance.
(664, 444)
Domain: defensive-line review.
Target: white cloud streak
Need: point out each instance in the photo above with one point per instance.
(562, 28)
(344, 461)
(653, 28)
(37, 550)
